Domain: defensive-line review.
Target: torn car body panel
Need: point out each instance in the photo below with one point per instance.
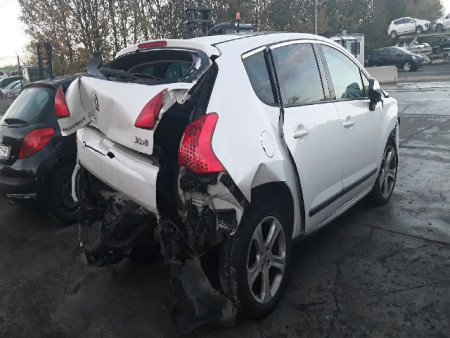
(130, 173)
(106, 106)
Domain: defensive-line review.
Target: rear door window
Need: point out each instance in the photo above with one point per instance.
(298, 74)
(32, 105)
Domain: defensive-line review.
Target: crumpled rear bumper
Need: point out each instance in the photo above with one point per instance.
(122, 169)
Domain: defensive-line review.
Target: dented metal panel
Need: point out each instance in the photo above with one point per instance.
(130, 173)
(107, 106)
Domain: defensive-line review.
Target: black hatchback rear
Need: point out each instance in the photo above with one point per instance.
(36, 162)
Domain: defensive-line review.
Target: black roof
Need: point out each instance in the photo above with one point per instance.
(54, 83)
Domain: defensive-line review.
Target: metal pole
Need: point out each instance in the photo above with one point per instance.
(20, 72)
(315, 17)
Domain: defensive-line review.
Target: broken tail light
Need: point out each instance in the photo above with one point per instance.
(35, 141)
(149, 114)
(196, 151)
(61, 109)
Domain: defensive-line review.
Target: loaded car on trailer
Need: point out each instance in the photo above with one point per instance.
(225, 147)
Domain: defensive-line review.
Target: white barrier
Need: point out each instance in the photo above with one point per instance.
(384, 74)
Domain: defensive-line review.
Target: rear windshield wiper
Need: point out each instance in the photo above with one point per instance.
(13, 120)
(107, 71)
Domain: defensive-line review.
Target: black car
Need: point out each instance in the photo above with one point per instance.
(442, 45)
(36, 162)
(395, 56)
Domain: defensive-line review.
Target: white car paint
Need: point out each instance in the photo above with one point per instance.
(351, 153)
(407, 25)
(444, 22)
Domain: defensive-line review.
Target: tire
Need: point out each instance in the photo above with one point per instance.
(419, 30)
(394, 34)
(385, 183)
(407, 66)
(246, 252)
(439, 28)
(60, 201)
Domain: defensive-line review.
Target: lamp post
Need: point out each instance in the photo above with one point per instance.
(315, 17)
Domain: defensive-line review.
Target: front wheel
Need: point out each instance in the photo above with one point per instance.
(419, 30)
(253, 263)
(384, 185)
(439, 28)
(407, 66)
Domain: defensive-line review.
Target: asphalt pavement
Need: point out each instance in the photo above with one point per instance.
(377, 272)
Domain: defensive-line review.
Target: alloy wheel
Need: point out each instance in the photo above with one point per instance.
(407, 67)
(266, 260)
(388, 171)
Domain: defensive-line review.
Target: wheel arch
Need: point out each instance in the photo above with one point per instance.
(283, 197)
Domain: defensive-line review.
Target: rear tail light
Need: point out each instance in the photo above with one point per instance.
(196, 151)
(35, 141)
(61, 109)
(153, 44)
(149, 114)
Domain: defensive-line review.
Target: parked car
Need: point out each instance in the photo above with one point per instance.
(442, 45)
(439, 25)
(407, 26)
(395, 56)
(36, 162)
(12, 90)
(414, 46)
(229, 144)
(6, 81)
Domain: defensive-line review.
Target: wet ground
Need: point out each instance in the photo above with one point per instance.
(381, 272)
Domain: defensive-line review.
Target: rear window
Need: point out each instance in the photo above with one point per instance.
(32, 105)
(163, 66)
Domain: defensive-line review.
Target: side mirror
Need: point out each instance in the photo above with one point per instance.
(374, 93)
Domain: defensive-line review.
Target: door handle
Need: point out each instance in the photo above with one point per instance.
(348, 124)
(300, 132)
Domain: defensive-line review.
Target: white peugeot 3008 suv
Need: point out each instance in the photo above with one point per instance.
(226, 147)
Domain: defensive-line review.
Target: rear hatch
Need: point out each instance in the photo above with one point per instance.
(145, 79)
(33, 109)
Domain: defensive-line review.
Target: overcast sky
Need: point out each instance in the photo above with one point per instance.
(12, 35)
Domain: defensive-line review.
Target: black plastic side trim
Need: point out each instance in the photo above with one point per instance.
(347, 189)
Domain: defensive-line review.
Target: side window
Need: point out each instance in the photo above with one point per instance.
(398, 22)
(345, 75)
(255, 66)
(298, 74)
(384, 52)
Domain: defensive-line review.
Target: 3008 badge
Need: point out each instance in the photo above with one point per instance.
(141, 141)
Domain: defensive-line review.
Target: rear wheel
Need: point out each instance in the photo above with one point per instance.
(253, 263)
(60, 202)
(384, 185)
(419, 29)
(394, 34)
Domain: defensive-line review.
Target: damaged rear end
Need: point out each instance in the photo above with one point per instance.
(147, 174)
